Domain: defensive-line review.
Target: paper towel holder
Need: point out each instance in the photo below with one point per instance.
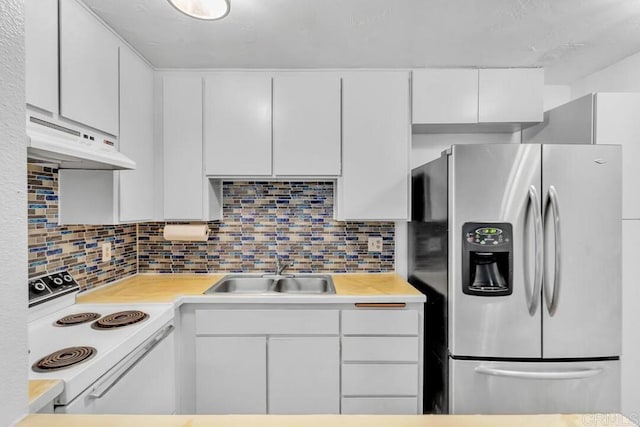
(186, 232)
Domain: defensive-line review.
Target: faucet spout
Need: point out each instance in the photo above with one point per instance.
(280, 266)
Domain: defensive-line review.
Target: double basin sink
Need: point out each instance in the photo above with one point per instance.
(273, 285)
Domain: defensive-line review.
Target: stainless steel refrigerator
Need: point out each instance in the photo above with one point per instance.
(518, 248)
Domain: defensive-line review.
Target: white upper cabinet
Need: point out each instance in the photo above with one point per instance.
(115, 197)
(306, 123)
(41, 49)
(376, 142)
(182, 125)
(459, 99)
(88, 69)
(445, 96)
(238, 123)
(510, 95)
(136, 137)
(188, 194)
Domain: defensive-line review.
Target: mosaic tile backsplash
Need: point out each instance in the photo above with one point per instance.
(261, 219)
(75, 248)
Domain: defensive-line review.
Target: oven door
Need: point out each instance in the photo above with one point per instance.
(142, 383)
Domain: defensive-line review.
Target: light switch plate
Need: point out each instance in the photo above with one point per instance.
(375, 244)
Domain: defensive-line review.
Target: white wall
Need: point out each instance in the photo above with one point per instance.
(555, 95)
(623, 76)
(13, 211)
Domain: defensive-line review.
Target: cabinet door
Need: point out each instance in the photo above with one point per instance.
(304, 375)
(182, 131)
(136, 137)
(231, 375)
(510, 95)
(88, 69)
(376, 126)
(445, 96)
(306, 124)
(238, 124)
(41, 53)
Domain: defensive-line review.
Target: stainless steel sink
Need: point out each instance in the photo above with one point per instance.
(242, 285)
(305, 285)
(273, 285)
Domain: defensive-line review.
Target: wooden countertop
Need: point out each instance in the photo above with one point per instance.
(167, 287)
(151, 288)
(587, 420)
(42, 392)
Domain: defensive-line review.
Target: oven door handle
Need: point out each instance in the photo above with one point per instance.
(103, 388)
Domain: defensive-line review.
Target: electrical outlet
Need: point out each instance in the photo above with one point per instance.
(375, 244)
(106, 252)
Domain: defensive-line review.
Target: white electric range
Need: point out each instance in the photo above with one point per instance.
(112, 358)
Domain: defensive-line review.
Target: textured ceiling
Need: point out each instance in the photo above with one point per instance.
(570, 38)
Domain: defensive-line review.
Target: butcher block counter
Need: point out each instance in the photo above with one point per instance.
(588, 420)
(42, 393)
(156, 288)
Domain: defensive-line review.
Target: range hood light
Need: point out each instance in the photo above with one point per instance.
(208, 10)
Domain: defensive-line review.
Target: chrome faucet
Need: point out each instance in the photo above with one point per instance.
(280, 267)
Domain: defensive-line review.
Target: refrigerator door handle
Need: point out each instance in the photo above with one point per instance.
(551, 298)
(573, 374)
(534, 200)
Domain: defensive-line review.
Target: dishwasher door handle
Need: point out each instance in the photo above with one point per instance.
(103, 388)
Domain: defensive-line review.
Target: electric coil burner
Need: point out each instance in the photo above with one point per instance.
(65, 358)
(76, 319)
(120, 319)
(115, 367)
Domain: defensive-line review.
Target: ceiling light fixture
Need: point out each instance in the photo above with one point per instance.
(208, 10)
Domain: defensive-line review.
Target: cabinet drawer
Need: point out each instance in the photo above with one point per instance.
(380, 405)
(380, 349)
(380, 322)
(265, 322)
(379, 380)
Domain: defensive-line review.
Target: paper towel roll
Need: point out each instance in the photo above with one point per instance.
(188, 232)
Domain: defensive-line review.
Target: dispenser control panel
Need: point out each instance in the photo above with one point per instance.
(487, 259)
(487, 236)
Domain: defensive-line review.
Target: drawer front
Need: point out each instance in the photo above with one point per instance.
(380, 405)
(265, 322)
(380, 322)
(380, 349)
(379, 380)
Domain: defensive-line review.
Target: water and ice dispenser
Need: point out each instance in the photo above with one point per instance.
(487, 259)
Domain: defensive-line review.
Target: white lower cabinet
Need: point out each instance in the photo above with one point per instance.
(232, 375)
(238, 372)
(304, 375)
(303, 360)
(379, 405)
(381, 361)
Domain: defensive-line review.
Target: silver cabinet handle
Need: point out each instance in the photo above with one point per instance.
(534, 200)
(129, 364)
(551, 298)
(571, 374)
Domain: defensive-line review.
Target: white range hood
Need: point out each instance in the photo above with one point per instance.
(72, 149)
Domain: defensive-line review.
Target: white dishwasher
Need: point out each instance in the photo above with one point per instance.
(141, 383)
